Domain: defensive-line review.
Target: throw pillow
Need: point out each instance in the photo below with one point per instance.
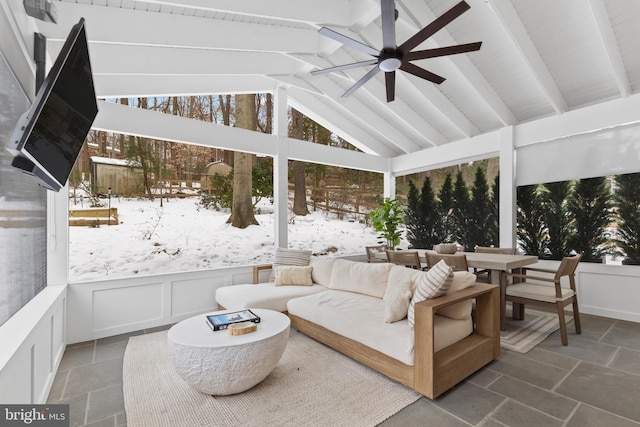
(433, 284)
(396, 299)
(292, 275)
(286, 256)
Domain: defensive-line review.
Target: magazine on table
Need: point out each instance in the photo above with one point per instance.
(222, 321)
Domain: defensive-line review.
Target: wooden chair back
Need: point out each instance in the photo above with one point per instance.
(456, 261)
(409, 258)
(372, 251)
(492, 250)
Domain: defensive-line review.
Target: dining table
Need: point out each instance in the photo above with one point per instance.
(497, 264)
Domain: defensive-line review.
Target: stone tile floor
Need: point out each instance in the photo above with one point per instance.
(595, 381)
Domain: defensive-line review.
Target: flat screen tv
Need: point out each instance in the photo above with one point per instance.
(48, 137)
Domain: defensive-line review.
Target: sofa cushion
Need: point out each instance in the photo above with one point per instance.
(285, 256)
(292, 275)
(361, 318)
(396, 299)
(262, 295)
(431, 285)
(322, 268)
(360, 277)
(462, 310)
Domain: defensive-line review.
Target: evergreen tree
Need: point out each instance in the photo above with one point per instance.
(422, 217)
(627, 198)
(530, 227)
(479, 216)
(557, 218)
(413, 218)
(461, 211)
(494, 214)
(590, 208)
(447, 222)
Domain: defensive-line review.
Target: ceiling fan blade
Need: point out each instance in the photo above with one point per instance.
(442, 51)
(344, 67)
(421, 72)
(348, 41)
(390, 80)
(388, 17)
(362, 81)
(434, 27)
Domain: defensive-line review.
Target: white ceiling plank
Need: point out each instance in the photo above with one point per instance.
(611, 46)
(118, 59)
(421, 15)
(508, 18)
(166, 30)
(119, 86)
(336, 11)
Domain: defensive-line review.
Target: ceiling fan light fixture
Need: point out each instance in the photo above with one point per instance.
(389, 63)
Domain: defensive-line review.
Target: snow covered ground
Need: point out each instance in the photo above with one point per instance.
(183, 236)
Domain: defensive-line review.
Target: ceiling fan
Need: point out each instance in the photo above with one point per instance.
(393, 57)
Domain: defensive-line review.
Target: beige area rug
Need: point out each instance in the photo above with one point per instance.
(523, 335)
(312, 385)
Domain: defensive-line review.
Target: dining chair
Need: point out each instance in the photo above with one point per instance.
(456, 261)
(532, 290)
(372, 251)
(485, 275)
(408, 258)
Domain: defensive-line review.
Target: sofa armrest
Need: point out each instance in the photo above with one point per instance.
(437, 372)
(257, 269)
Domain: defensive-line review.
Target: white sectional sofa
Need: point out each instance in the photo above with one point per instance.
(348, 303)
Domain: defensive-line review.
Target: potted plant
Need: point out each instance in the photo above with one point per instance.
(627, 198)
(386, 220)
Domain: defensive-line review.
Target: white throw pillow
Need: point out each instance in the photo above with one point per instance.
(432, 285)
(293, 276)
(396, 299)
(286, 256)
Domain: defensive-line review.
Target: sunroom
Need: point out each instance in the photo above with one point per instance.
(553, 92)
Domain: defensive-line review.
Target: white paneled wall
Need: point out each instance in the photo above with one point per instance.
(112, 307)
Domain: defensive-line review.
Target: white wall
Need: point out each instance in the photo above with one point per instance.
(112, 307)
(33, 342)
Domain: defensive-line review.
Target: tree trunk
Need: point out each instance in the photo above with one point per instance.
(299, 184)
(242, 207)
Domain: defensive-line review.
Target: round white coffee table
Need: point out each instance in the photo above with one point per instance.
(219, 363)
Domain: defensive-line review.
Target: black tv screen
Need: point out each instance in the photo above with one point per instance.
(49, 136)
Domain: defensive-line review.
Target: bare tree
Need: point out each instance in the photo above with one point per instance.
(299, 178)
(242, 207)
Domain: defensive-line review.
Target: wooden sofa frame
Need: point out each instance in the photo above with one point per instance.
(433, 372)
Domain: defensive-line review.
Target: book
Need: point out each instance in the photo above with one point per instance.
(220, 321)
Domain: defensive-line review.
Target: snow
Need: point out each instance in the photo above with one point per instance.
(183, 236)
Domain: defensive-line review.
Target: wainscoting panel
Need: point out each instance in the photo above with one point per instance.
(119, 307)
(190, 297)
(111, 307)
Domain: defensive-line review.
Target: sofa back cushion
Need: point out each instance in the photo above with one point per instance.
(322, 268)
(360, 277)
(462, 310)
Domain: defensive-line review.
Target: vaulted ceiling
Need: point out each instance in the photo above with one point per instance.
(538, 59)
